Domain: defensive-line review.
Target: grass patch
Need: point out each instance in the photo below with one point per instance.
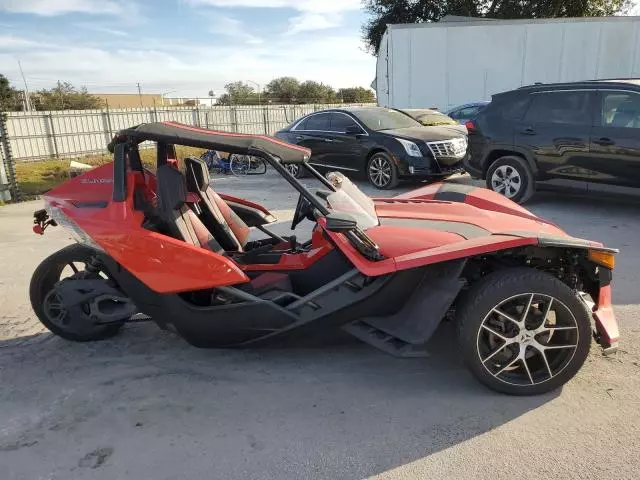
(36, 178)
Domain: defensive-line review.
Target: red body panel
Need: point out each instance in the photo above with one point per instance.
(164, 264)
(491, 221)
(605, 319)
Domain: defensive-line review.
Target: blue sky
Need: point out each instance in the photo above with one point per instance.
(186, 46)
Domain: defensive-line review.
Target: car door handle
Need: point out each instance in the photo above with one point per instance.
(329, 140)
(299, 137)
(528, 131)
(604, 141)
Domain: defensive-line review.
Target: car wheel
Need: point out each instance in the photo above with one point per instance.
(47, 305)
(295, 169)
(511, 176)
(382, 172)
(523, 331)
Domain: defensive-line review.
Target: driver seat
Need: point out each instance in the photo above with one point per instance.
(227, 227)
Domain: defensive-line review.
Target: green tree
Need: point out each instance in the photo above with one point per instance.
(356, 95)
(283, 90)
(314, 92)
(384, 12)
(65, 96)
(9, 96)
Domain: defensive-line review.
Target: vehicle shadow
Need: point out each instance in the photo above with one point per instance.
(331, 409)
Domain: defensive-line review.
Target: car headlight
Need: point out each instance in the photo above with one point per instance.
(410, 147)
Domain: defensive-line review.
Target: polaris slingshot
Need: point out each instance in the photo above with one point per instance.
(525, 296)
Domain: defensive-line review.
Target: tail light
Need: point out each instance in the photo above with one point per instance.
(470, 125)
(71, 227)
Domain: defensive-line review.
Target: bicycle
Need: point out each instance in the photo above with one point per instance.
(246, 165)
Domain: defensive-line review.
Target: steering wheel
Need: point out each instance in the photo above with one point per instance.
(303, 210)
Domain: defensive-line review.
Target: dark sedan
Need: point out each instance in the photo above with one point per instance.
(386, 144)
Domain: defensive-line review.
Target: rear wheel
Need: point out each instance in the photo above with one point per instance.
(523, 331)
(511, 176)
(382, 172)
(71, 261)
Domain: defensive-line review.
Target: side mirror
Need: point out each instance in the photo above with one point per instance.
(353, 130)
(340, 222)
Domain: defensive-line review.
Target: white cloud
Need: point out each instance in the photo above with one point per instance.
(13, 42)
(192, 69)
(59, 7)
(313, 21)
(95, 27)
(300, 5)
(233, 28)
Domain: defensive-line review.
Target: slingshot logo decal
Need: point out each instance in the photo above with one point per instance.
(93, 181)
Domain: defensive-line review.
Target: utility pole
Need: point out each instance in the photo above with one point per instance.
(140, 94)
(26, 89)
(259, 91)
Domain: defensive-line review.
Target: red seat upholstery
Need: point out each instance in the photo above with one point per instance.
(181, 221)
(227, 227)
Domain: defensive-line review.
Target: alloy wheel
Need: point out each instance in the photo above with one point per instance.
(506, 180)
(293, 169)
(527, 339)
(380, 172)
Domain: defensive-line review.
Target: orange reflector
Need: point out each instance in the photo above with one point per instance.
(606, 259)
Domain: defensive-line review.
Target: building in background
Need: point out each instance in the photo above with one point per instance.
(130, 100)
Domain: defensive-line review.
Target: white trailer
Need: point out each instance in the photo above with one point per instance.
(449, 63)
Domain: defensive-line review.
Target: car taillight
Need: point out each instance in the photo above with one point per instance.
(470, 125)
(71, 227)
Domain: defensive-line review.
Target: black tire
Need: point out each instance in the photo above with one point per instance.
(478, 304)
(42, 281)
(519, 169)
(298, 171)
(382, 173)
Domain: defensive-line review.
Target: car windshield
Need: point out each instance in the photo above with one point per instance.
(349, 199)
(385, 119)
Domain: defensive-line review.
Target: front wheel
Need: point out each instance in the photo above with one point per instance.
(71, 261)
(382, 172)
(511, 176)
(523, 331)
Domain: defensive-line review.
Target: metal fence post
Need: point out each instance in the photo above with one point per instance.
(106, 125)
(265, 119)
(234, 118)
(195, 114)
(7, 167)
(52, 133)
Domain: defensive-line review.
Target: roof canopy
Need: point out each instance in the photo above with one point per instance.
(241, 143)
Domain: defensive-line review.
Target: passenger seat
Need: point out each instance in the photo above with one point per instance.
(230, 230)
(174, 212)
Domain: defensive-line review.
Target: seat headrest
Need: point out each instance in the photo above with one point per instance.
(172, 189)
(197, 174)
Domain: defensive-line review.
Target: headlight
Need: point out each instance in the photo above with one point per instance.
(603, 257)
(410, 147)
(72, 227)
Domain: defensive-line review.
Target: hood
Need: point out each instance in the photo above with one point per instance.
(428, 134)
(453, 216)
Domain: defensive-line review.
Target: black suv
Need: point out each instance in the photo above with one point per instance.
(587, 131)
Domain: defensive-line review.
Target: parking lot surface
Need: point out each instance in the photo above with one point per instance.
(145, 405)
